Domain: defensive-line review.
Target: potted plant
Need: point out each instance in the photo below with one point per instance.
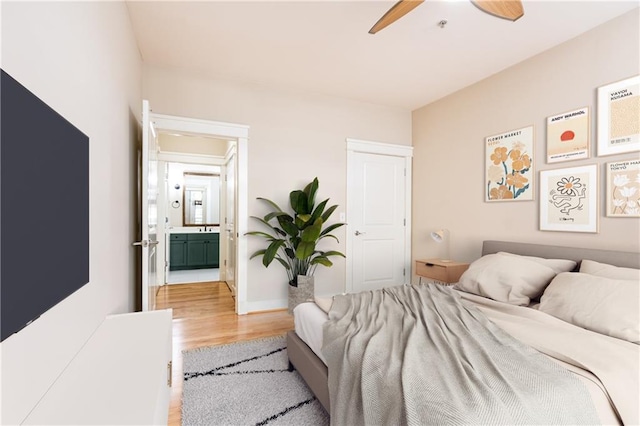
(293, 239)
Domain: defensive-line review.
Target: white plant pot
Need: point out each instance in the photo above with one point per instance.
(302, 293)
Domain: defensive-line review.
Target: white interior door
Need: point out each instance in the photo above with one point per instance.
(149, 212)
(377, 221)
(230, 222)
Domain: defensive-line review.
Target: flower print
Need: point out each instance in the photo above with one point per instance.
(638, 178)
(620, 180)
(632, 211)
(569, 186)
(517, 180)
(499, 155)
(631, 204)
(508, 177)
(618, 202)
(495, 173)
(501, 193)
(518, 146)
(519, 161)
(628, 191)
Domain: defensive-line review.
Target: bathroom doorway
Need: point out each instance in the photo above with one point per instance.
(200, 143)
(193, 212)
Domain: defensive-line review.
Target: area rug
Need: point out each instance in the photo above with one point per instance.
(246, 383)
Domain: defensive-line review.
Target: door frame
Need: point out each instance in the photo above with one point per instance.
(358, 146)
(240, 134)
(164, 158)
(148, 282)
(231, 151)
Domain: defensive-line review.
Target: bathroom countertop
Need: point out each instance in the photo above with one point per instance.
(193, 230)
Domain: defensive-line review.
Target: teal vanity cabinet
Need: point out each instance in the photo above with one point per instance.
(194, 251)
(177, 251)
(212, 250)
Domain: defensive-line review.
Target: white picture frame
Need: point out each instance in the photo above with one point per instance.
(569, 199)
(619, 117)
(509, 167)
(623, 188)
(568, 136)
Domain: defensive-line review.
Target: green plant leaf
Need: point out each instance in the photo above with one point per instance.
(328, 212)
(329, 236)
(290, 253)
(261, 234)
(274, 205)
(261, 220)
(304, 217)
(287, 224)
(298, 200)
(271, 215)
(311, 233)
(300, 222)
(294, 242)
(305, 249)
(317, 212)
(322, 261)
(331, 228)
(258, 253)
(283, 263)
(271, 252)
(311, 190)
(333, 253)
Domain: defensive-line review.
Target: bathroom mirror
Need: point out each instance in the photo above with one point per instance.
(201, 199)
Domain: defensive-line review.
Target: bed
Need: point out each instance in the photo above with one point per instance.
(309, 319)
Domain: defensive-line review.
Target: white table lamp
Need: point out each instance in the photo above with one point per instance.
(442, 236)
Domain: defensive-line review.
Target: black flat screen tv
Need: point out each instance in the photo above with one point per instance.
(44, 210)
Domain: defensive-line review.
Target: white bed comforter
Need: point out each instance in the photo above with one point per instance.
(613, 362)
(394, 362)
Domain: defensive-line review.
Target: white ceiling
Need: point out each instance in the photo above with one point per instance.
(324, 47)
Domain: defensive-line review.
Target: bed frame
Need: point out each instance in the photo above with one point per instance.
(315, 373)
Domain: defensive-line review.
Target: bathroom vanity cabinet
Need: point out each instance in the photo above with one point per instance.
(194, 251)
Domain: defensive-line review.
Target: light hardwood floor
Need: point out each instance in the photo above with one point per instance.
(203, 315)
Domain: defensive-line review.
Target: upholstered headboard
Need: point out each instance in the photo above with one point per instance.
(618, 258)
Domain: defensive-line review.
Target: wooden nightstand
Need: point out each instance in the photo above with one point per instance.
(441, 272)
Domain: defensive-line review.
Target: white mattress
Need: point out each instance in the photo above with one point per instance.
(309, 319)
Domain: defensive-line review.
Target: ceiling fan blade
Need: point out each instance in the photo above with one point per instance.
(506, 9)
(396, 12)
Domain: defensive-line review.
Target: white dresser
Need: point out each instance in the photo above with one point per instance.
(122, 375)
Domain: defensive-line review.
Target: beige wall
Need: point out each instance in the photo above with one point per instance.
(448, 138)
(293, 138)
(82, 60)
(192, 144)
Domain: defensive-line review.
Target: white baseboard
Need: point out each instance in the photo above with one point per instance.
(266, 305)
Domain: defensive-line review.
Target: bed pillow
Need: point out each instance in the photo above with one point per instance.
(604, 305)
(324, 303)
(592, 267)
(511, 278)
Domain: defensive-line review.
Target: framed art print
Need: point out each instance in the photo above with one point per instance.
(619, 117)
(568, 136)
(509, 166)
(623, 188)
(569, 199)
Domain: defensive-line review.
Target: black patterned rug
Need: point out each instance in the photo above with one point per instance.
(246, 383)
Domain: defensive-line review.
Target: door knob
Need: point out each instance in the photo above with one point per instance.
(359, 233)
(145, 243)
